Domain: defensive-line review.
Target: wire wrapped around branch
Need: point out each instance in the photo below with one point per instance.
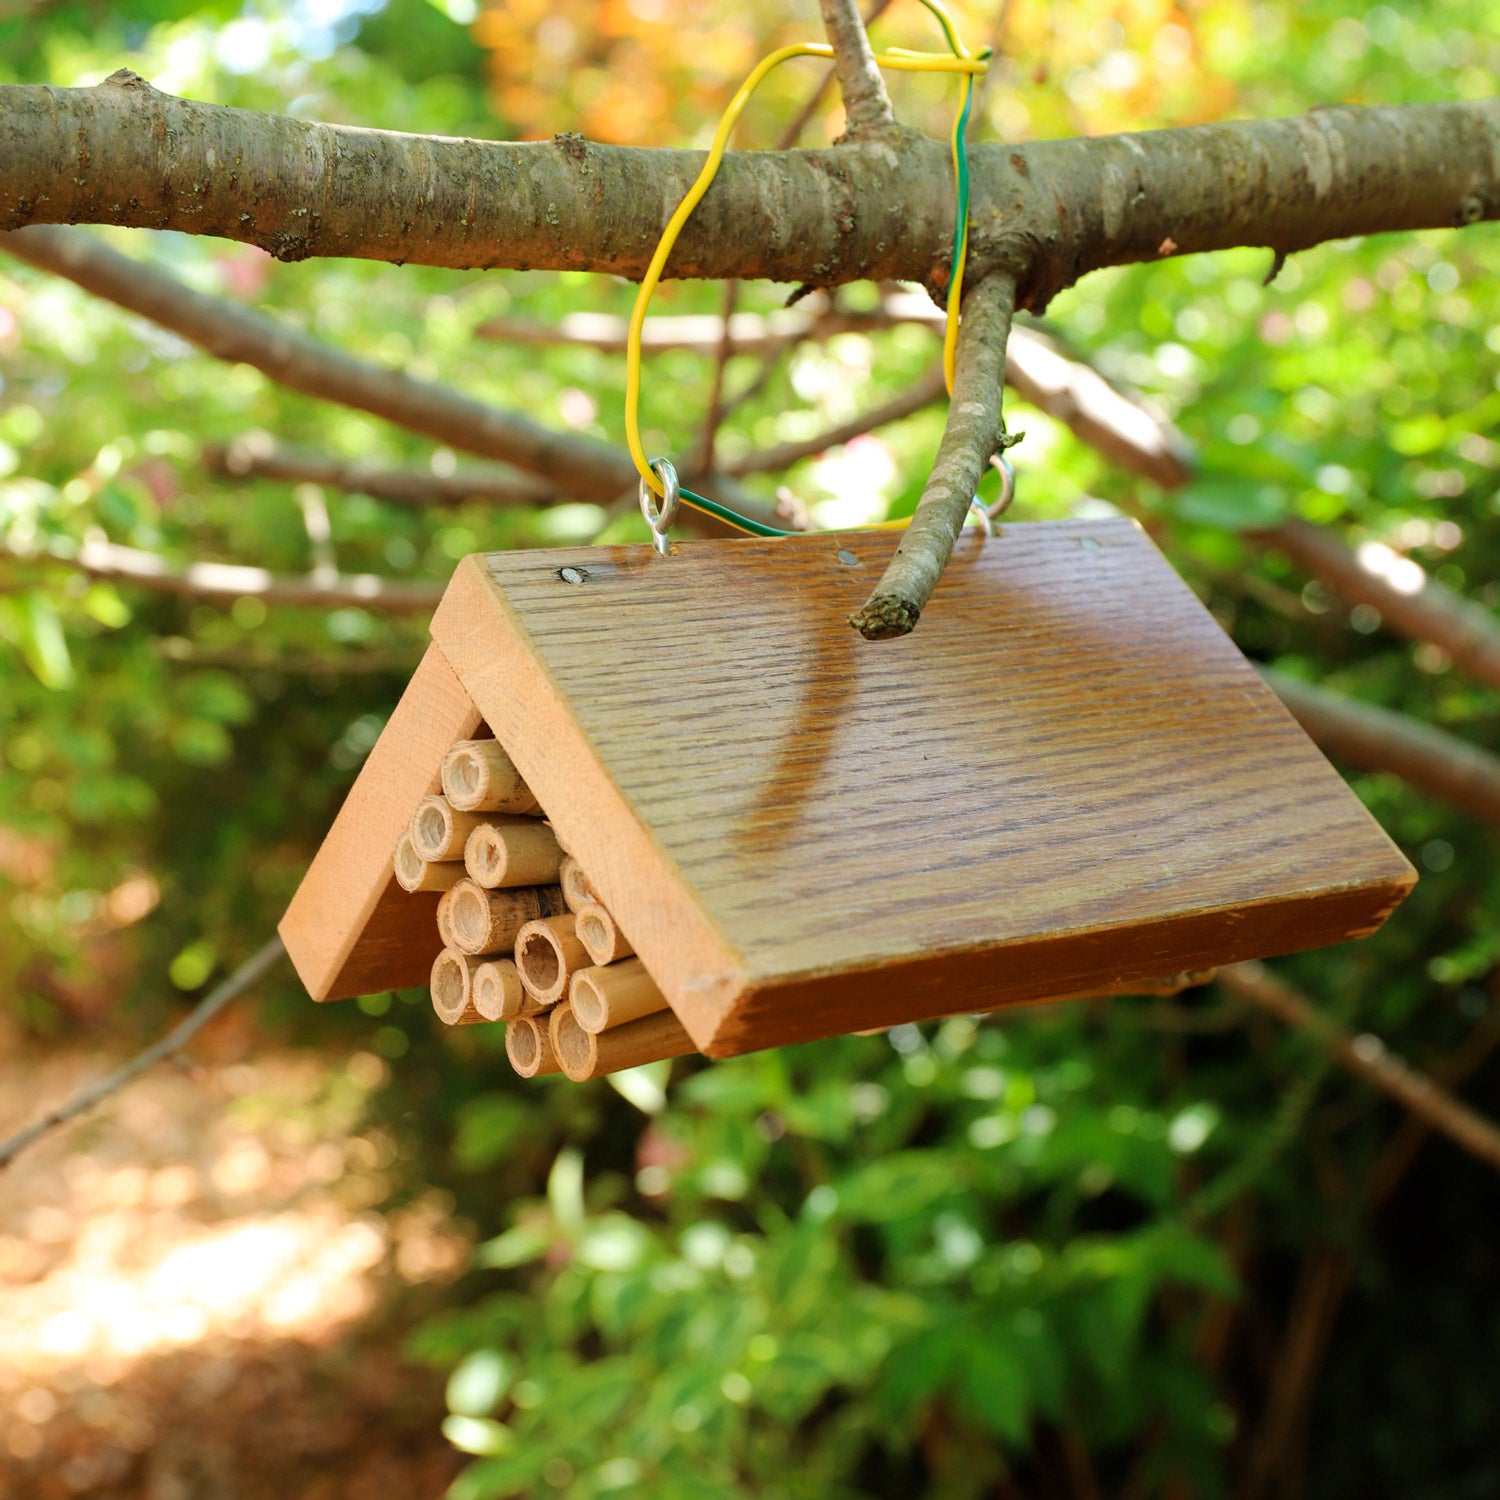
(975, 431)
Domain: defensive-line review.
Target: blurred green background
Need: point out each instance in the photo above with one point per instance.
(1134, 1248)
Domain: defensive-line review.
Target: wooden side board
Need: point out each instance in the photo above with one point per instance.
(350, 928)
(1066, 778)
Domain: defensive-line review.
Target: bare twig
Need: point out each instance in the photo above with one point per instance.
(715, 412)
(1376, 739)
(1367, 1057)
(1408, 601)
(974, 433)
(923, 392)
(215, 580)
(576, 465)
(177, 1038)
(867, 106)
(1037, 369)
(257, 455)
(800, 121)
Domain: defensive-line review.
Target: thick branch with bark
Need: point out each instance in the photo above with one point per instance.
(1051, 211)
(972, 437)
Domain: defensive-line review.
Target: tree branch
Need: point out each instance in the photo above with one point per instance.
(867, 106)
(1037, 370)
(1367, 1057)
(257, 455)
(1408, 601)
(922, 392)
(1376, 739)
(177, 1038)
(123, 153)
(973, 434)
(216, 580)
(583, 468)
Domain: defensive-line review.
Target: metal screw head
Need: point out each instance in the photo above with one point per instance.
(572, 575)
(1089, 543)
(848, 559)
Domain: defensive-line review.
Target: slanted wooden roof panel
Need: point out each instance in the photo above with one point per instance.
(1066, 773)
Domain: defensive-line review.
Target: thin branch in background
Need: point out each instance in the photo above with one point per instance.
(924, 392)
(216, 580)
(263, 959)
(1377, 739)
(1037, 368)
(974, 433)
(1367, 1057)
(715, 412)
(867, 106)
(803, 118)
(575, 465)
(984, 85)
(248, 658)
(319, 529)
(257, 455)
(1407, 600)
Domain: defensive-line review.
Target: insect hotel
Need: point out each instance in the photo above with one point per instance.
(635, 806)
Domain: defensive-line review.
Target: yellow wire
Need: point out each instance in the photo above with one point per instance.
(898, 61)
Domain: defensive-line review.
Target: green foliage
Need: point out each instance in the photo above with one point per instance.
(943, 1263)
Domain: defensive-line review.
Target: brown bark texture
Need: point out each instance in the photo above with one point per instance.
(1050, 211)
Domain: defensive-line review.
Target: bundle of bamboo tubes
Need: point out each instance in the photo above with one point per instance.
(526, 940)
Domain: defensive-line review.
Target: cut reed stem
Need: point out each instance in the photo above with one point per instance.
(452, 988)
(511, 852)
(445, 927)
(614, 995)
(438, 832)
(413, 873)
(498, 994)
(491, 921)
(547, 954)
(478, 776)
(529, 1048)
(583, 1055)
(577, 891)
(599, 933)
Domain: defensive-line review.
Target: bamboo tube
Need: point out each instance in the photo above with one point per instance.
(529, 1048)
(614, 995)
(547, 954)
(577, 891)
(438, 832)
(491, 921)
(598, 932)
(446, 930)
(452, 988)
(583, 1055)
(499, 995)
(511, 852)
(413, 873)
(478, 776)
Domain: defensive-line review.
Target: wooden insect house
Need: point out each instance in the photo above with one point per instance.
(637, 806)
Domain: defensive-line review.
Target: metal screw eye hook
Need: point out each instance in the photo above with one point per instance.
(661, 511)
(1001, 502)
(985, 524)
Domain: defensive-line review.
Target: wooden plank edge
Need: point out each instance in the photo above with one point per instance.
(499, 665)
(350, 928)
(810, 1006)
